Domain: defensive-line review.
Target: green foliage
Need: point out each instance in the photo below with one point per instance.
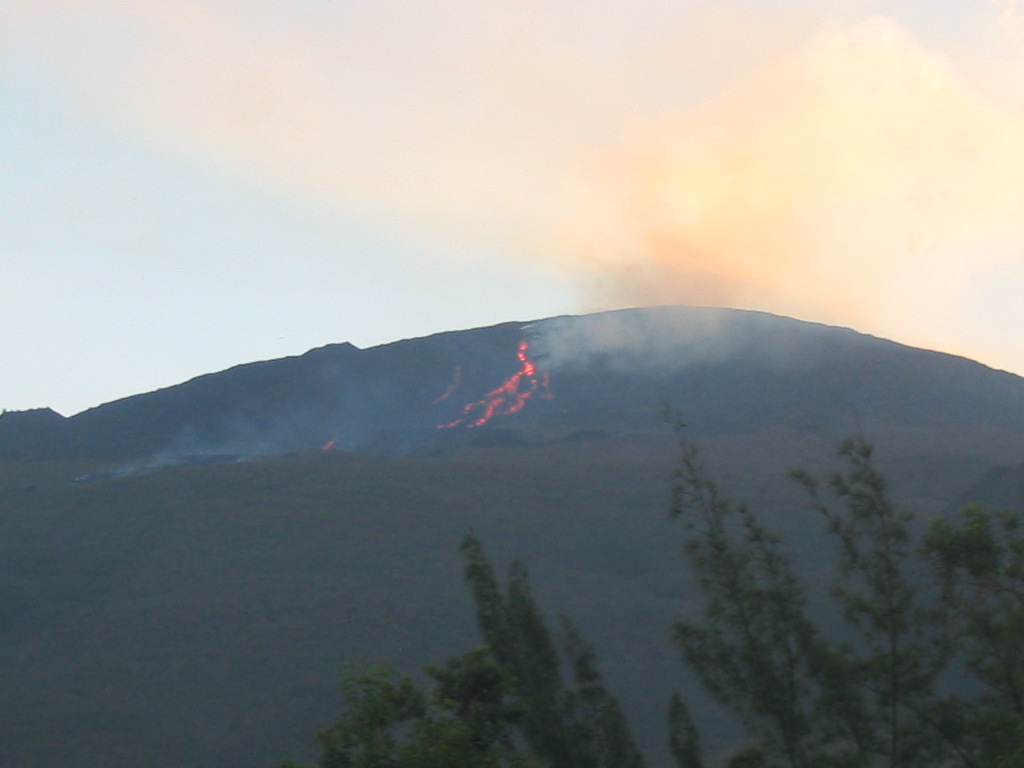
(979, 560)
(464, 721)
(755, 648)
(919, 613)
(925, 668)
(898, 647)
(578, 725)
(480, 694)
(504, 705)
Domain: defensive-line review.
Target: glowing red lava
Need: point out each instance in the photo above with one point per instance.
(508, 398)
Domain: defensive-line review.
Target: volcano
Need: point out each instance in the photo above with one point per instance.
(547, 379)
(197, 600)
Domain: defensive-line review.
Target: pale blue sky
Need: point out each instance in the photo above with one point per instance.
(189, 185)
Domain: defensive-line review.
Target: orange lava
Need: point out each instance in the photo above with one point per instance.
(510, 397)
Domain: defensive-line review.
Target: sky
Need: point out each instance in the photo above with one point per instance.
(187, 185)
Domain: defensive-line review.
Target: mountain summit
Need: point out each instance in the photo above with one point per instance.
(534, 381)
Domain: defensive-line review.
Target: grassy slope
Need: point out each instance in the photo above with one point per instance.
(202, 616)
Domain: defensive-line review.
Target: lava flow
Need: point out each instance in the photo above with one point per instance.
(456, 383)
(510, 397)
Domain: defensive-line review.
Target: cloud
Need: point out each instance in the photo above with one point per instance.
(1010, 19)
(453, 121)
(859, 179)
(835, 171)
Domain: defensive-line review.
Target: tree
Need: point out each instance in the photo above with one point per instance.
(916, 613)
(755, 649)
(979, 561)
(898, 646)
(913, 658)
(503, 705)
(577, 725)
(466, 720)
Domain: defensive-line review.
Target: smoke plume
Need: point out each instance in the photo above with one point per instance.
(833, 169)
(859, 179)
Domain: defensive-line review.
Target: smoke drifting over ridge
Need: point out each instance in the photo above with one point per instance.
(663, 340)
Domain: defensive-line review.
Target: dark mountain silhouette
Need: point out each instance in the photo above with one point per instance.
(202, 614)
(725, 369)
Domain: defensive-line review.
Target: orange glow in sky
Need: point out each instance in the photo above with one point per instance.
(860, 179)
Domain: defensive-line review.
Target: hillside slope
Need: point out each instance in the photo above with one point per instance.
(201, 614)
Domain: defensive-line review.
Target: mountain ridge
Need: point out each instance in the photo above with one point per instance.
(362, 399)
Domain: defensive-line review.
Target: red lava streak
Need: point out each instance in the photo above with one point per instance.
(510, 397)
(456, 383)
